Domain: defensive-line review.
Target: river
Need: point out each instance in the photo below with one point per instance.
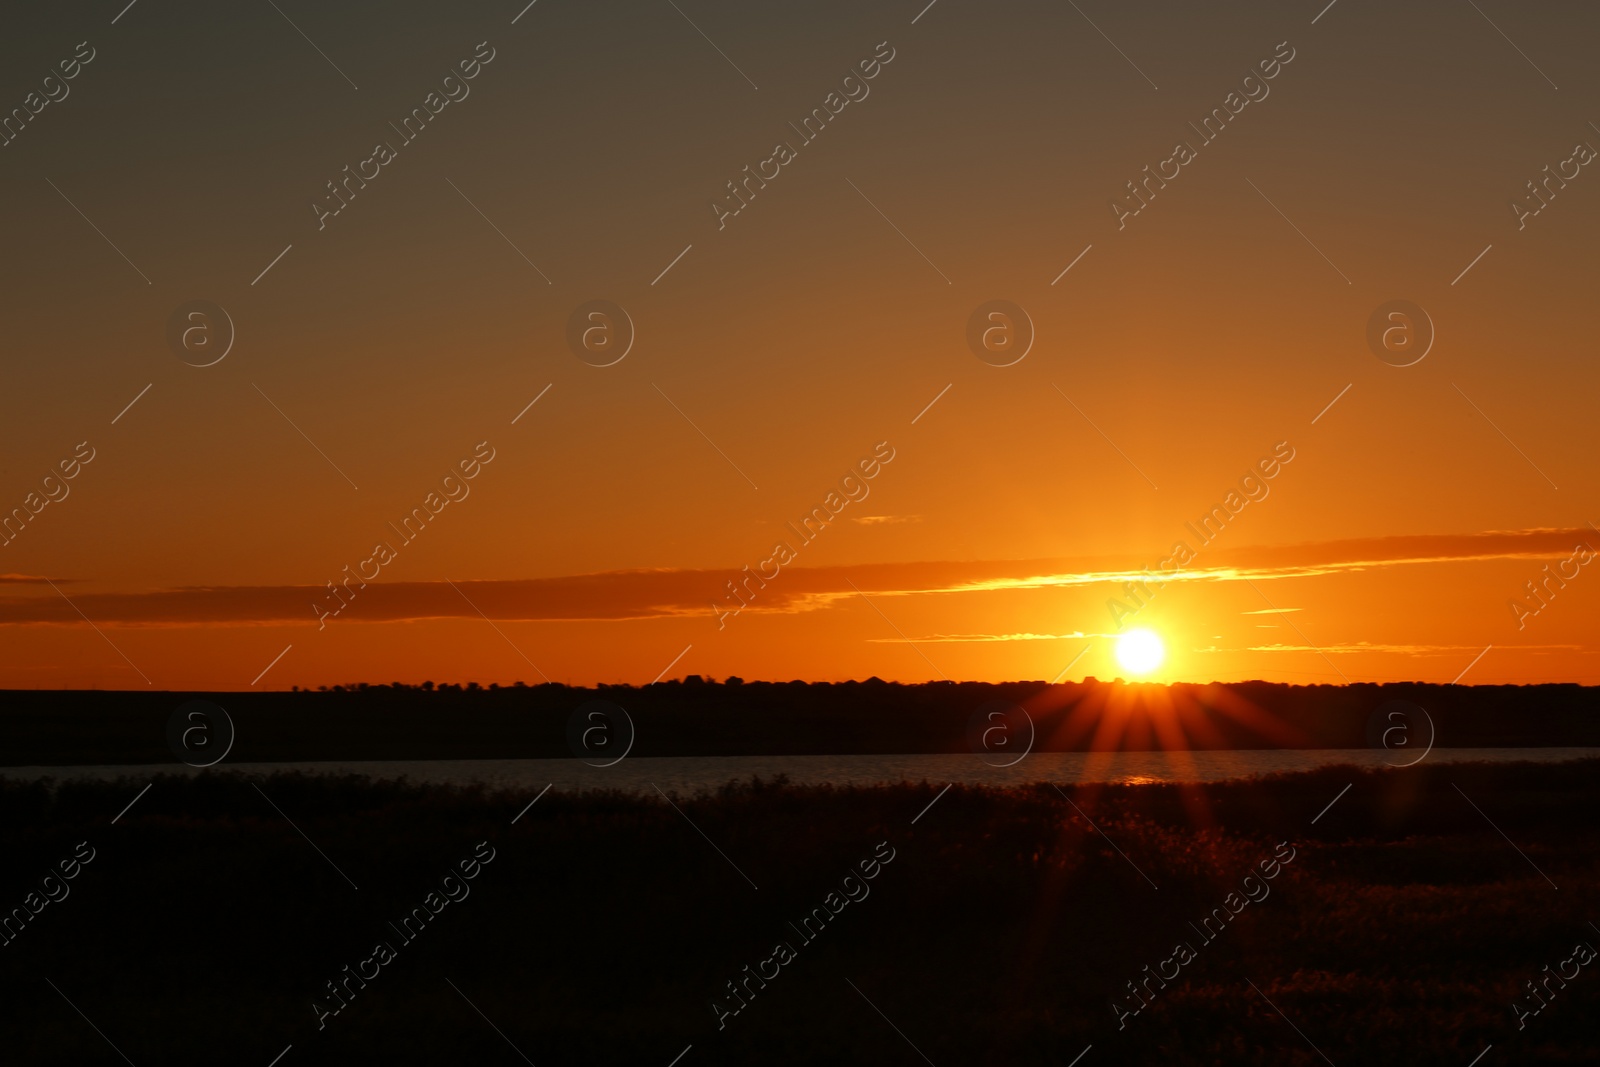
(689, 774)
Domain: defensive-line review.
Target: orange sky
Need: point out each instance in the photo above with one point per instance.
(824, 325)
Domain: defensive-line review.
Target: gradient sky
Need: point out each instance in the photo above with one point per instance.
(775, 353)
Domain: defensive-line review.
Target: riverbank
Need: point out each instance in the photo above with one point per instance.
(618, 928)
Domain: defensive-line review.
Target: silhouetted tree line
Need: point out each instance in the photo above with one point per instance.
(696, 716)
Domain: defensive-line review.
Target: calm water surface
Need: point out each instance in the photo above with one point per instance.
(691, 773)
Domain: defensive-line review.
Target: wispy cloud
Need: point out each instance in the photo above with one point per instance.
(30, 579)
(666, 593)
(1409, 650)
(980, 638)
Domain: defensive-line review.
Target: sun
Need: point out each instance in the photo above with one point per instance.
(1140, 651)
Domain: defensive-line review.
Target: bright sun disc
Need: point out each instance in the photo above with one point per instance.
(1140, 651)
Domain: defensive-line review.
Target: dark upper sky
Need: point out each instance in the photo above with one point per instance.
(1176, 353)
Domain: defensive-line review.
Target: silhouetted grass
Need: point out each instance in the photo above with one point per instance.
(606, 924)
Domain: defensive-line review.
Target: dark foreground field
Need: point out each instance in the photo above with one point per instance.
(997, 927)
